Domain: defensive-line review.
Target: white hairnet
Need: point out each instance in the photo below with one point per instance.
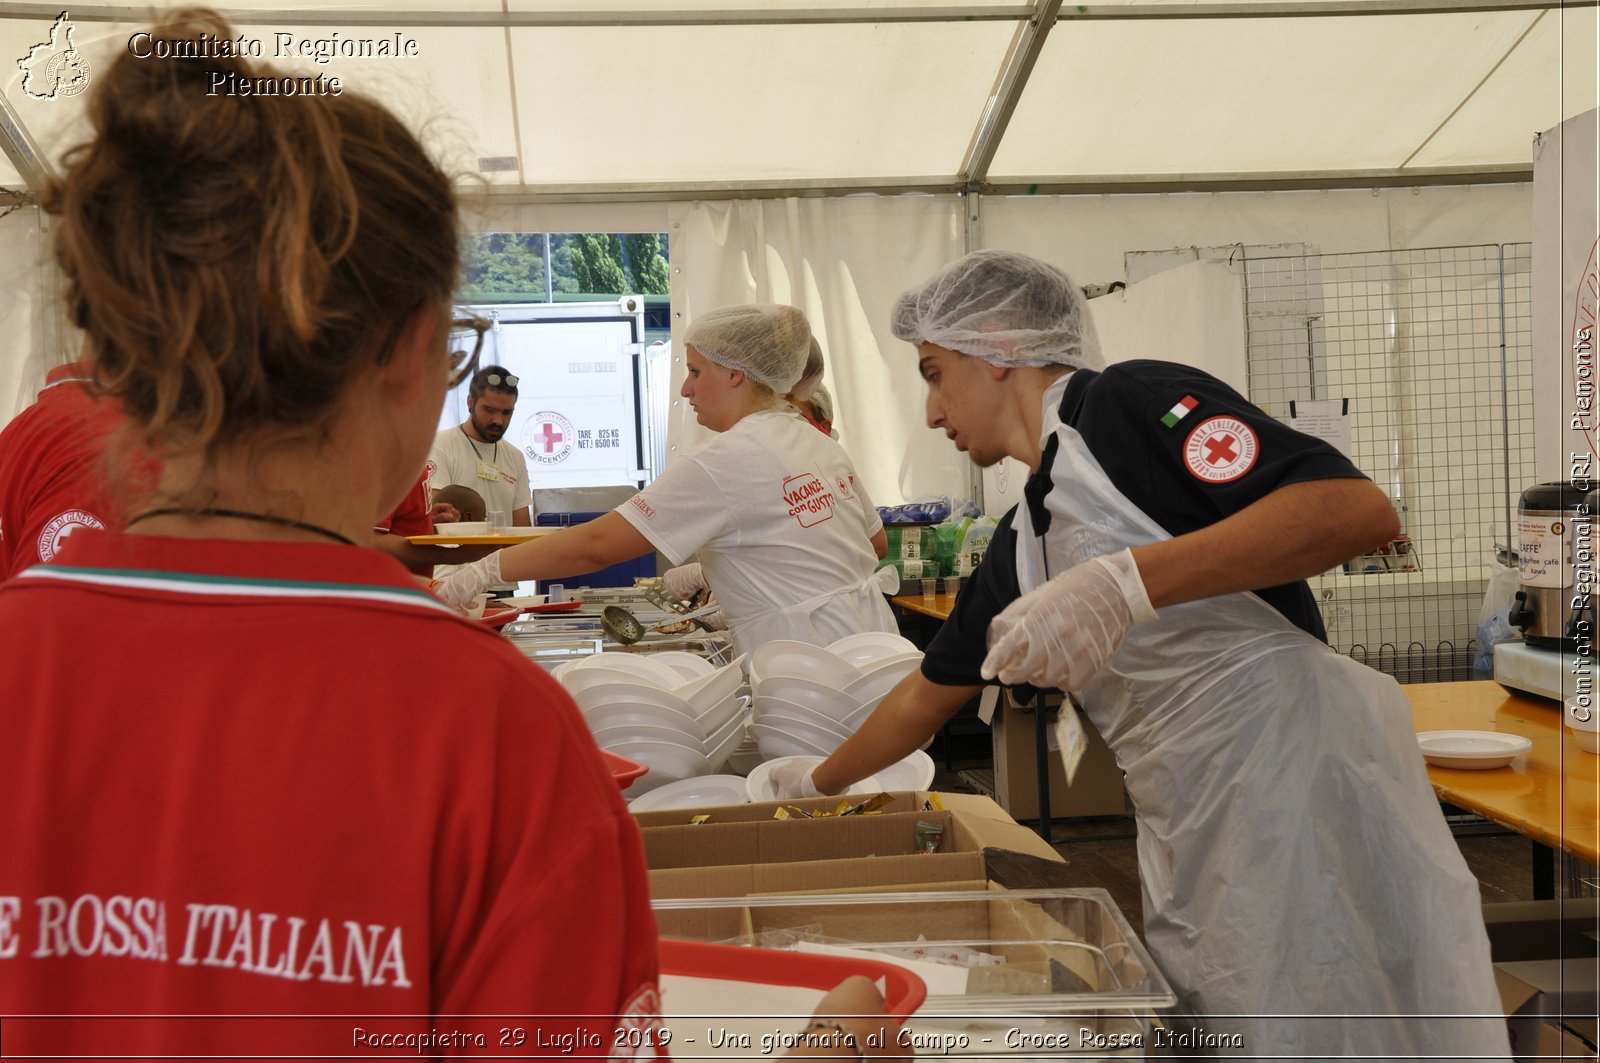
(811, 375)
(767, 341)
(1003, 307)
(822, 402)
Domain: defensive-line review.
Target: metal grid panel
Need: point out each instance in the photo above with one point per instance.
(1433, 350)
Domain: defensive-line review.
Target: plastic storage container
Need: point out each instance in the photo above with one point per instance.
(1025, 972)
(618, 575)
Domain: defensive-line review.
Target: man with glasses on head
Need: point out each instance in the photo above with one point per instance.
(474, 454)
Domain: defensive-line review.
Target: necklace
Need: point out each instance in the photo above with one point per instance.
(264, 518)
(475, 450)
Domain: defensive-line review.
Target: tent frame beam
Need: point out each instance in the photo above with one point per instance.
(32, 166)
(1020, 12)
(1013, 79)
(1110, 184)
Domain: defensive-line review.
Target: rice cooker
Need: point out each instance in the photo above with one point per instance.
(1556, 566)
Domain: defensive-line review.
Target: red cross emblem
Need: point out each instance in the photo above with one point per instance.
(548, 437)
(1220, 449)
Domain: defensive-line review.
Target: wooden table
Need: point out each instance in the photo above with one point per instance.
(938, 607)
(1551, 793)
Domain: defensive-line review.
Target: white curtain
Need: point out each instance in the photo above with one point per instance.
(32, 339)
(843, 262)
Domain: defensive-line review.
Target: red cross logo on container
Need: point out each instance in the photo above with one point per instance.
(1220, 449)
(547, 438)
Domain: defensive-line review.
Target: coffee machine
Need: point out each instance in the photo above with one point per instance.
(1554, 608)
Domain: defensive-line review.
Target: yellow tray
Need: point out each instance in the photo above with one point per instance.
(508, 539)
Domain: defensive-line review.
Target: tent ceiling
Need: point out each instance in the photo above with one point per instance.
(649, 98)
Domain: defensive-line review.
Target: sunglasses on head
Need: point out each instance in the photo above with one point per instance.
(501, 380)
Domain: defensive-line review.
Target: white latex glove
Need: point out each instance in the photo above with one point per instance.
(684, 582)
(793, 780)
(1060, 634)
(461, 588)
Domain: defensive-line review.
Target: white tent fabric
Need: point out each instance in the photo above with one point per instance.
(646, 115)
(843, 262)
(31, 337)
(723, 96)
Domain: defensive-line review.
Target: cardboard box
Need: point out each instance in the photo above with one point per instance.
(1541, 930)
(982, 825)
(1560, 1043)
(744, 851)
(1096, 789)
(1065, 958)
(1541, 993)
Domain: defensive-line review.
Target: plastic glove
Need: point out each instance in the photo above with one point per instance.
(793, 780)
(684, 582)
(1060, 634)
(443, 513)
(461, 588)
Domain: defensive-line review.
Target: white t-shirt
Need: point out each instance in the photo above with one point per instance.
(497, 470)
(773, 510)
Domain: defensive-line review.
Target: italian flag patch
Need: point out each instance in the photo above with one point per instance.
(1180, 411)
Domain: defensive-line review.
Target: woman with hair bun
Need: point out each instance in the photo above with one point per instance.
(230, 790)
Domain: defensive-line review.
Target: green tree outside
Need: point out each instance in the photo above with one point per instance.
(510, 266)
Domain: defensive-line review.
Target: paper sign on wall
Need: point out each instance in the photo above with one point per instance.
(1326, 419)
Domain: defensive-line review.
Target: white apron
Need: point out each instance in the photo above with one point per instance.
(824, 618)
(1301, 888)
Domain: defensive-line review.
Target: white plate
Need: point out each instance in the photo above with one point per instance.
(913, 773)
(693, 793)
(527, 601)
(1471, 750)
(462, 527)
(756, 785)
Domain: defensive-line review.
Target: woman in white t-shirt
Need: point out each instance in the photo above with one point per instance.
(786, 537)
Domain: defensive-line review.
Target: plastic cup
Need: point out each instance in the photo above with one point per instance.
(555, 592)
(498, 521)
(930, 587)
(952, 585)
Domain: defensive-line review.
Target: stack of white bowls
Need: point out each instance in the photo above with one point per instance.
(676, 712)
(809, 699)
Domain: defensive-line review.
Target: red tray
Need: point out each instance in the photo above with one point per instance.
(622, 769)
(554, 607)
(903, 993)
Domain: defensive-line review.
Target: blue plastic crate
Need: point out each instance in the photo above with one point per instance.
(618, 575)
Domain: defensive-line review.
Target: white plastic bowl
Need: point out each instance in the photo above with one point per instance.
(723, 711)
(687, 665)
(577, 680)
(786, 657)
(913, 773)
(776, 743)
(604, 737)
(672, 760)
(712, 689)
(871, 646)
(638, 665)
(802, 724)
(778, 707)
(760, 789)
(818, 697)
(718, 755)
(616, 715)
(600, 703)
(883, 679)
